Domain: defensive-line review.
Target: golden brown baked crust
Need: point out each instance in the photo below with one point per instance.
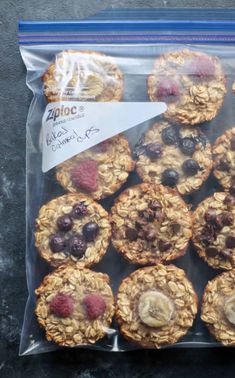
(114, 166)
(200, 99)
(224, 156)
(214, 233)
(75, 329)
(83, 76)
(215, 296)
(169, 281)
(169, 222)
(46, 226)
(151, 169)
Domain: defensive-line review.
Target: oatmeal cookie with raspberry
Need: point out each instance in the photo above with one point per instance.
(74, 306)
(192, 84)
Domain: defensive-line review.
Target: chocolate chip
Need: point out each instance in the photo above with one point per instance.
(154, 205)
(211, 251)
(232, 190)
(227, 253)
(150, 235)
(227, 218)
(210, 215)
(223, 165)
(159, 216)
(232, 143)
(154, 150)
(229, 200)
(208, 235)
(163, 245)
(131, 234)
(147, 214)
(175, 228)
(230, 241)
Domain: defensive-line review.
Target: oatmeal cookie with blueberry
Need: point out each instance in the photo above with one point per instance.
(74, 306)
(192, 84)
(174, 156)
(214, 230)
(150, 224)
(156, 306)
(83, 76)
(218, 307)
(99, 171)
(224, 160)
(72, 229)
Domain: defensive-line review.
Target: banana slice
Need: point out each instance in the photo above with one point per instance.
(155, 309)
(229, 309)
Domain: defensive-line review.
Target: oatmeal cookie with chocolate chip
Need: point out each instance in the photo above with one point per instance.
(174, 156)
(214, 230)
(99, 171)
(83, 76)
(224, 160)
(75, 306)
(218, 307)
(191, 83)
(156, 306)
(150, 224)
(72, 229)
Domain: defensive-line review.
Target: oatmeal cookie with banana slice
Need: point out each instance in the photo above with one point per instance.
(83, 76)
(99, 171)
(214, 230)
(156, 306)
(218, 307)
(224, 160)
(150, 224)
(192, 84)
(174, 156)
(75, 306)
(72, 229)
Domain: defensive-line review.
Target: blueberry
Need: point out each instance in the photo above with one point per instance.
(90, 231)
(169, 177)
(153, 150)
(77, 245)
(170, 135)
(187, 146)
(79, 210)
(190, 167)
(56, 243)
(64, 223)
(131, 234)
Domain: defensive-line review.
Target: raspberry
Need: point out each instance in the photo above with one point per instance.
(84, 175)
(101, 147)
(201, 66)
(95, 305)
(168, 89)
(62, 305)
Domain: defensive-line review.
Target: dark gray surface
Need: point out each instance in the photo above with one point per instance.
(14, 102)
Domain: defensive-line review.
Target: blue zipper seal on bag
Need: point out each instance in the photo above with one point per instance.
(127, 31)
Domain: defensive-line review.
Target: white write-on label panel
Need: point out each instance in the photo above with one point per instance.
(69, 128)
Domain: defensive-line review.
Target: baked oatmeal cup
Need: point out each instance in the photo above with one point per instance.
(174, 156)
(150, 224)
(218, 307)
(83, 76)
(192, 84)
(99, 171)
(224, 160)
(72, 229)
(75, 306)
(214, 230)
(156, 306)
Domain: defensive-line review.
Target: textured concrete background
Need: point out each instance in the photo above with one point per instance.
(14, 102)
